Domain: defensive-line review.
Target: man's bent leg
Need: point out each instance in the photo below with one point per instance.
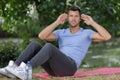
(59, 63)
(47, 68)
(29, 52)
(63, 65)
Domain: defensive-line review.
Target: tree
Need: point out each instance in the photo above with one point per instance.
(15, 13)
(17, 18)
(105, 12)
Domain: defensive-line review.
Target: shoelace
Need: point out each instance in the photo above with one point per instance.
(21, 71)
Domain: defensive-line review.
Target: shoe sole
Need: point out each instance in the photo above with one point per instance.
(9, 76)
(6, 75)
(12, 72)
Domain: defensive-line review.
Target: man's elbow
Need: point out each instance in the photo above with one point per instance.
(41, 37)
(108, 38)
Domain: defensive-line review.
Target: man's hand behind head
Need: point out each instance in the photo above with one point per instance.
(61, 19)
(87, 19)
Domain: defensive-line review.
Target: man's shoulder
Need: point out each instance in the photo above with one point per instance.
(86, 30)
(62, 30)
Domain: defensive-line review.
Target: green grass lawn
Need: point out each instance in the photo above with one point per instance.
(100, 55)
(97, 77)
(94, 77)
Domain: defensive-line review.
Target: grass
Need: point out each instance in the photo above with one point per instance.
(93, 77)
(107, 50)
(97, 77)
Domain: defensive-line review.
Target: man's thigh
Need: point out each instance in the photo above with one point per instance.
(62, 65)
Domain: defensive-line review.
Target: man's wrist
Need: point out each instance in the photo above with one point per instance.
(93, 23)
(56, 23)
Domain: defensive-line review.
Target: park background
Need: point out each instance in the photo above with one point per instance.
(22, 20)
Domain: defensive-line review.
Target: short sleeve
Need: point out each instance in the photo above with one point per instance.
(56, 32)
(90, 33)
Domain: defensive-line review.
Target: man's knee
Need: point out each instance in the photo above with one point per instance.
(48, 45)
(35, 43)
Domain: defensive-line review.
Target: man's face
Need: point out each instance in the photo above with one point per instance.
(74, 18)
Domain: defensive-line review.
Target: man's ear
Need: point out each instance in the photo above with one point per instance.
(81, 18)
(66, 18)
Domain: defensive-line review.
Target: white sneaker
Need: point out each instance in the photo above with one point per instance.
(19, 72)
(4, 72)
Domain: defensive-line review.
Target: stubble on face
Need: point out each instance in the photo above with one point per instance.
(74, 18)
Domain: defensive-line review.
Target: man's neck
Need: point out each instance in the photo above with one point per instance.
(73, 30)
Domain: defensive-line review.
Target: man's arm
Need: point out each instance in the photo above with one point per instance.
(47, 33)
(102, 34)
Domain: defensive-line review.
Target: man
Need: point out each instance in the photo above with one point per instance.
(73, 45)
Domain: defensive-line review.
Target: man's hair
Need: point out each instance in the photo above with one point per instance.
(74, 8)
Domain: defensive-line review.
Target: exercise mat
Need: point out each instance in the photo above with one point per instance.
(100, 71)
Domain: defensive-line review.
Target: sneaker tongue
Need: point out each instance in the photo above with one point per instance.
(11, 63)
(23, 65)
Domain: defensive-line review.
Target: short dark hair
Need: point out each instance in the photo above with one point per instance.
(74, 8)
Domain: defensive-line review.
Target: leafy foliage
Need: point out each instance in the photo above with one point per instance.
(8, 51)
(31, 16)
(104, 12)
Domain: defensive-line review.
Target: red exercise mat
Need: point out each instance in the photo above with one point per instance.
(84, 73)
